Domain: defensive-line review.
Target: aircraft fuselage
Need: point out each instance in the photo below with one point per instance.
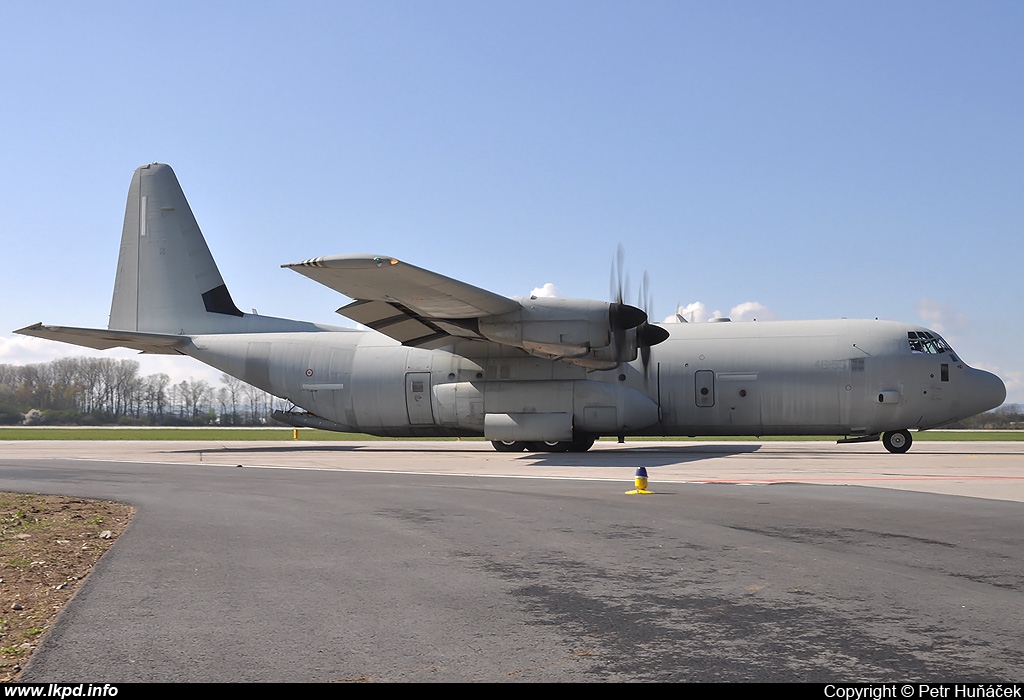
(840, 377)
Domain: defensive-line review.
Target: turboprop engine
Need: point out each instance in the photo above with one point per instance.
(593, 334)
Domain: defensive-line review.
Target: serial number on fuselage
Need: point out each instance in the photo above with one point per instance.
(832, 365)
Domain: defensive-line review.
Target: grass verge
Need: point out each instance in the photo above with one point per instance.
(48, 545)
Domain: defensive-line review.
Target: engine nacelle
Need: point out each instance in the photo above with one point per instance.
(593, 334)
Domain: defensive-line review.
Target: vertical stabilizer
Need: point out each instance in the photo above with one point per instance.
(167, 281)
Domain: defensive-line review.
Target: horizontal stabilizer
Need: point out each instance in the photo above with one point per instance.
(103, 339)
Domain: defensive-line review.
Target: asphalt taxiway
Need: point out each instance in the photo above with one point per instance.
(446, 561)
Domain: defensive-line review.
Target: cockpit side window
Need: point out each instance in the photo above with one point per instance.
(927, 343)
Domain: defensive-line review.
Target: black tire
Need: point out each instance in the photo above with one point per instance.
(548, 446)
(581, 444)
(897, 441)
(508, 445)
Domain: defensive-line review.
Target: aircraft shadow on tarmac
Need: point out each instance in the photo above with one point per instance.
(269, 449)
(647, 456)
(638, 456)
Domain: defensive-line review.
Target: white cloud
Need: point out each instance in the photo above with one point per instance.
(940, 317)
(751, 310)
(546, 290)
(693, 313)
(698, 312)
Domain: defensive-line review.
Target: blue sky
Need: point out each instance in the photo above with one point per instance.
(805, 159)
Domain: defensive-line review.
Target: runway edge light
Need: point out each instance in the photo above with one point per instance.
(640, 482)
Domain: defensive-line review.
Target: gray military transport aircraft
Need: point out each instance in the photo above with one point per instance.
(445, 358)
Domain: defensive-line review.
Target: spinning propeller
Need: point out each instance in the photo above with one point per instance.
(624, 318)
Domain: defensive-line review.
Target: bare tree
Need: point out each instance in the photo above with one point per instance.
(234, 388)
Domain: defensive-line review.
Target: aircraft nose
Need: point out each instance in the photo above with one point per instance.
(986, 390)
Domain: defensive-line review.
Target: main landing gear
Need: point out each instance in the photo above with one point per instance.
(580, 444)
(897, 441)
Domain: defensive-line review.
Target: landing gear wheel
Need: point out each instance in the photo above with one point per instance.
(508, 445)
(897, 441)
(581, 444)
(547, 446)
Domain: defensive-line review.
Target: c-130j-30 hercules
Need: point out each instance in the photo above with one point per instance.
(445, 358)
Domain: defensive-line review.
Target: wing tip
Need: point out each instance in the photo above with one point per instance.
(312, 262)
(32, 327)
(346, 261)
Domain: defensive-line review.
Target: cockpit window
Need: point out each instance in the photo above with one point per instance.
(927, 343)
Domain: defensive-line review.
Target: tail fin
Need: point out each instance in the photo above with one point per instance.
(167, 281)
(167, 284)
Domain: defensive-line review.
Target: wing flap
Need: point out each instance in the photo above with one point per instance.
(403, 325)
(389, 320)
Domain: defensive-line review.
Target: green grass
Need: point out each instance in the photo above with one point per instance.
(120, 433)
(970, 436)
(926, 436)
(268, 434)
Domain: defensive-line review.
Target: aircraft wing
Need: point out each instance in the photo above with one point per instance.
(102, 339)
(414, 306)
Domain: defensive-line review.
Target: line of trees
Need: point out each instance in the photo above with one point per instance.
(105, 391)
(1007, 417)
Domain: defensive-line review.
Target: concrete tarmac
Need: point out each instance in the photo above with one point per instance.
(446, 561)
(984, 470)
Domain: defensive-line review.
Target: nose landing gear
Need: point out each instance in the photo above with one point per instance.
(897, 441)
